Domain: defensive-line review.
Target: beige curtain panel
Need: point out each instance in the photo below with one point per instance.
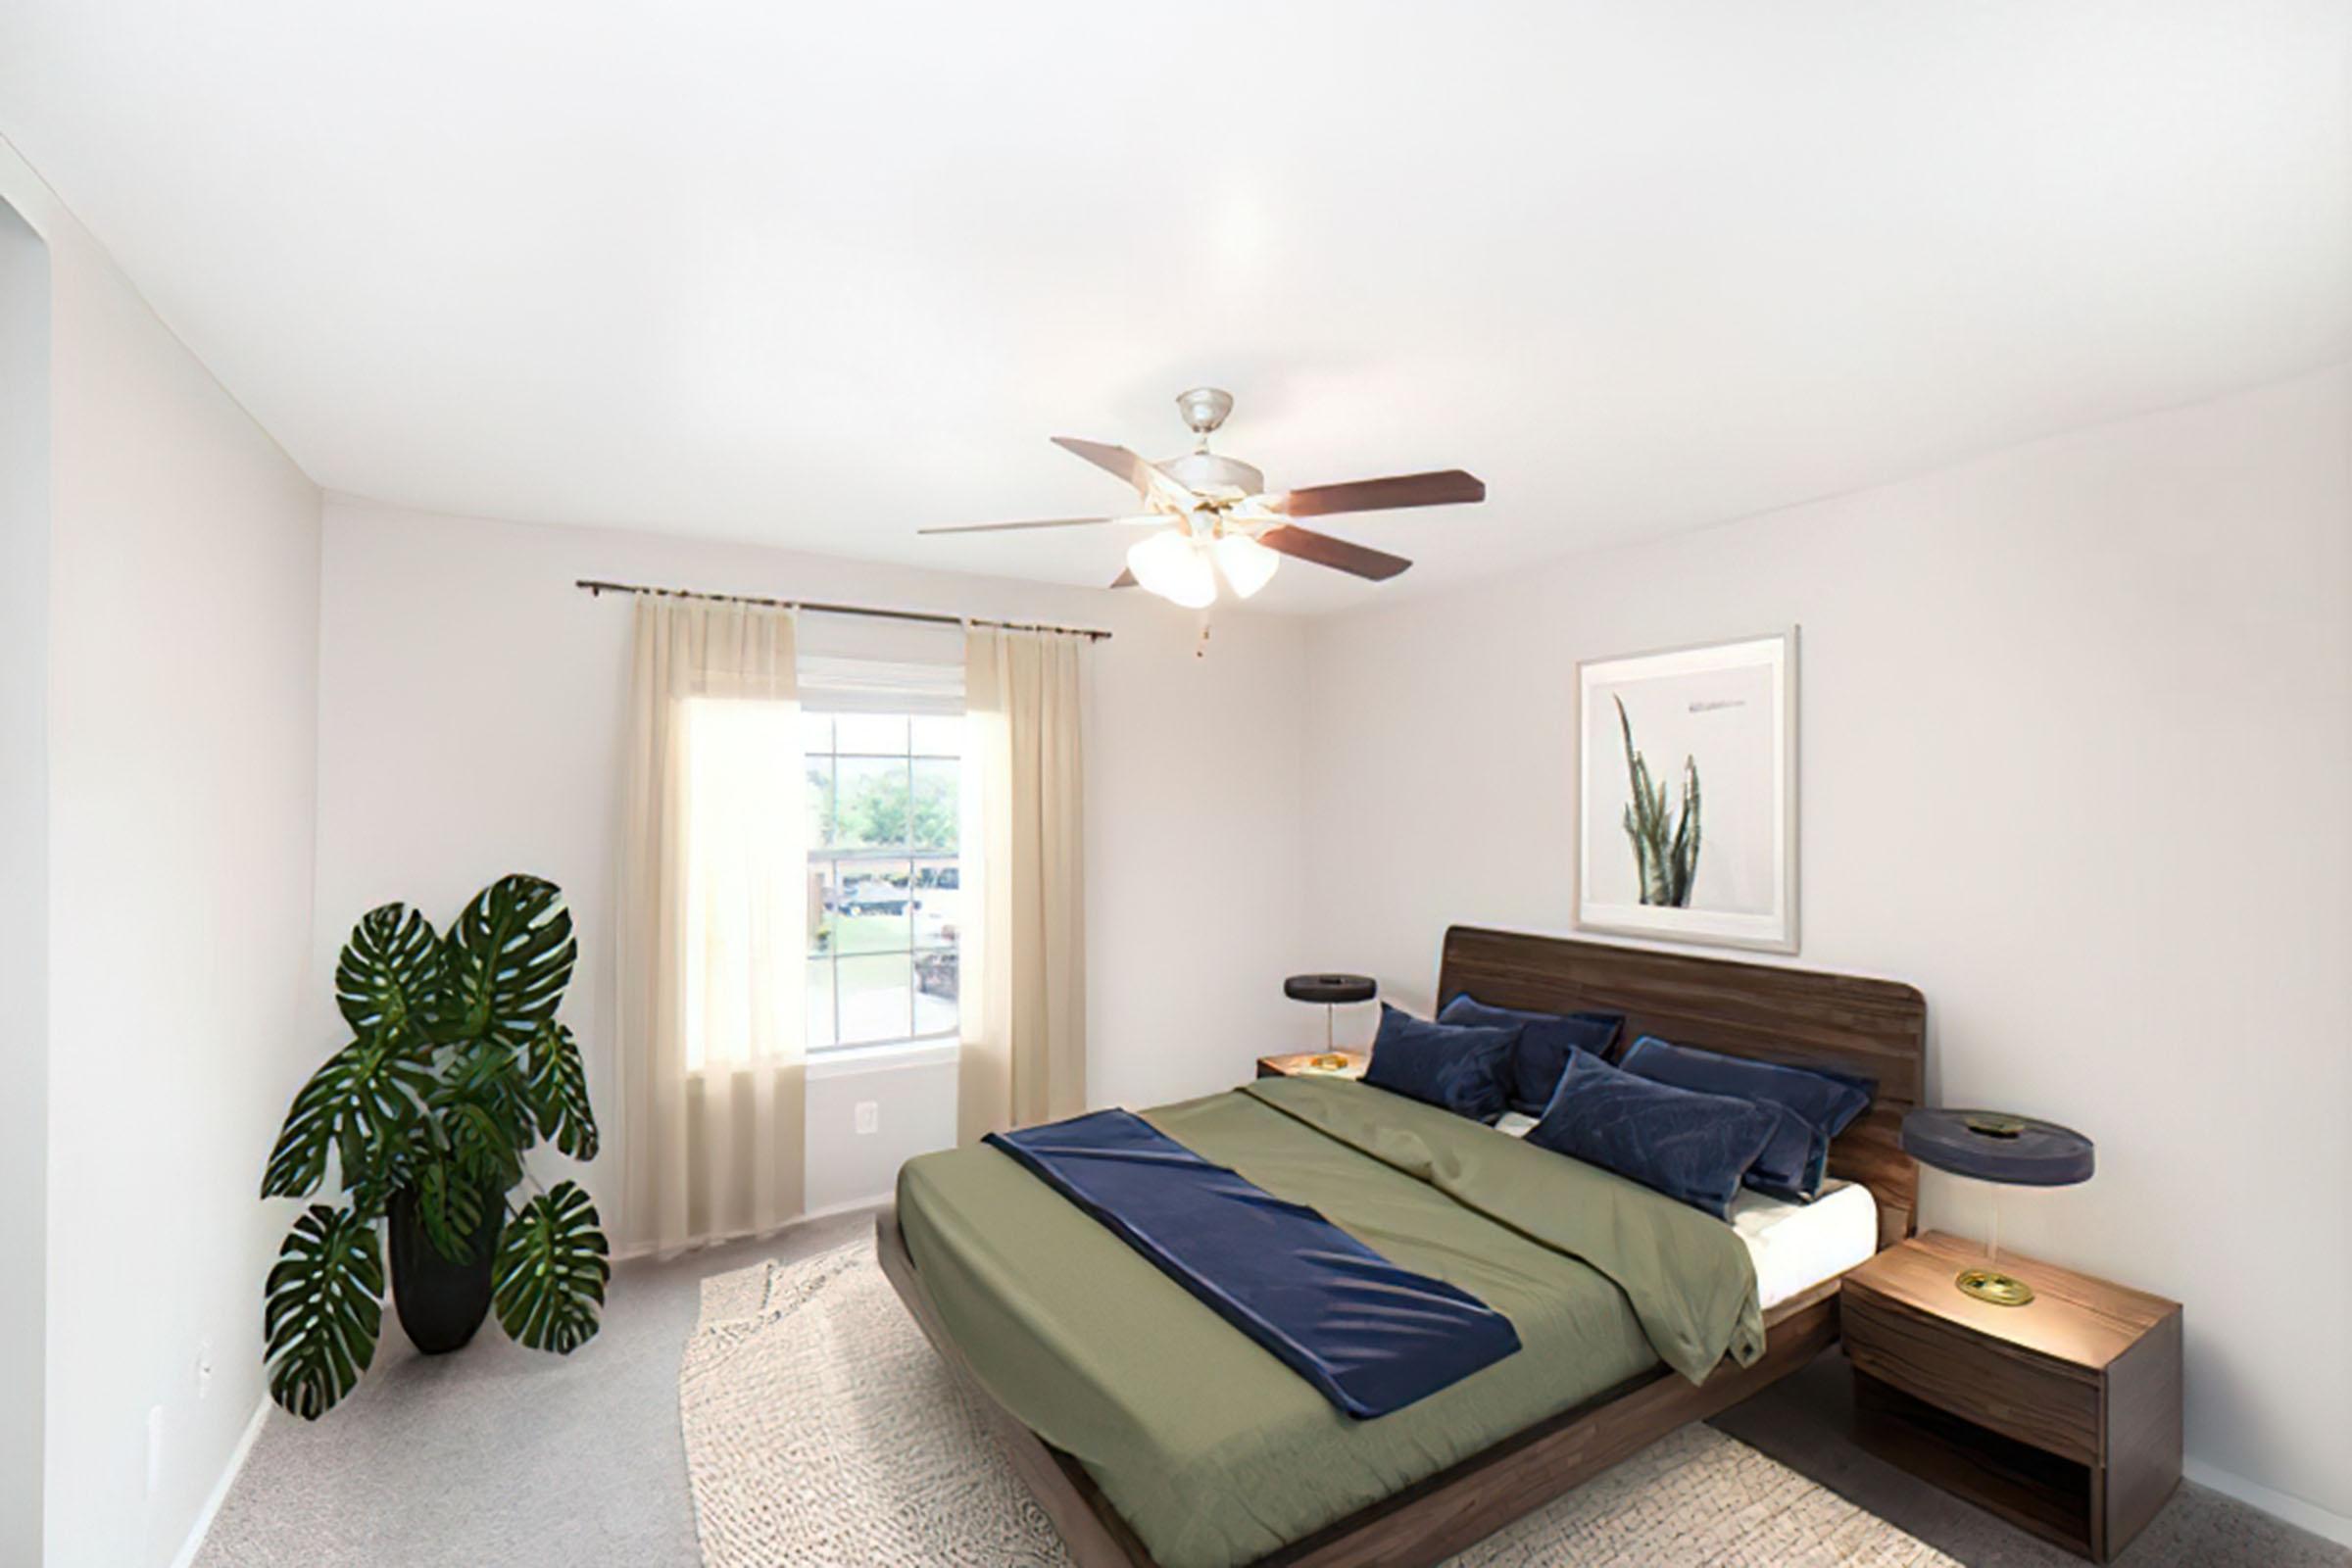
(1023, 939)
(712, 927)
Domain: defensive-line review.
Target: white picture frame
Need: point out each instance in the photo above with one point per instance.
(1725, 714)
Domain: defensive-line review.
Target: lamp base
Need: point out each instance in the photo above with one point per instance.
(1991, 1285)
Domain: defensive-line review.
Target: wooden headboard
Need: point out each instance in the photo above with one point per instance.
(1798, 1017)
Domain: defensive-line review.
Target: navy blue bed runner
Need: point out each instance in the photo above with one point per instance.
(1371, 1337)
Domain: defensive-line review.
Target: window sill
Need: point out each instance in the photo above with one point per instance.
(846, 1061)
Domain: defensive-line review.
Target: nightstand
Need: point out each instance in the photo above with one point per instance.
(2063, 1416)
(1301, 1065)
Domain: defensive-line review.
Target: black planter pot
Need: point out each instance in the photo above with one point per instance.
(441, 1303)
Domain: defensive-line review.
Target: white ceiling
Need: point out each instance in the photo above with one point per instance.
(819, 275)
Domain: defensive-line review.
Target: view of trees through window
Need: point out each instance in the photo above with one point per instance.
(885, 886)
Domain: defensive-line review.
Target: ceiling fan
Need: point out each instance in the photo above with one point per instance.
(1215, 514)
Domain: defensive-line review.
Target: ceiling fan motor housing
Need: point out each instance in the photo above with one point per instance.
(1204, 408)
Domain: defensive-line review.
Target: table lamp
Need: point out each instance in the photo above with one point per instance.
(1991, 1146)
(1330, 990)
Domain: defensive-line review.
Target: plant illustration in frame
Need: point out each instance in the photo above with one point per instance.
(1657, 855)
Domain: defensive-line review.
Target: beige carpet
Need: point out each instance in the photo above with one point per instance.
(822, 1430)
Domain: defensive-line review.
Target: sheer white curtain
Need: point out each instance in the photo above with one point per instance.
(714, 925)
(1023, 939)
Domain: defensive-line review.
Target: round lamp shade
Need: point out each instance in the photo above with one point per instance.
(1994, 1146)
(1330, 989)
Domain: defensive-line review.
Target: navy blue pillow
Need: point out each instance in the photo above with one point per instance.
(1546, 1040)
(1464, 1070)
(1811, 1107)
(1691, 1146)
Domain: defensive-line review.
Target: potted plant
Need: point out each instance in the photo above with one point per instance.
(457, 1067)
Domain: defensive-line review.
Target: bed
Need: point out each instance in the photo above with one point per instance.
(1155, 1436)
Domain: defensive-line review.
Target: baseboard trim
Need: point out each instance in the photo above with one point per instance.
(2294, 1510)
(853, 1206)
(203, 1527)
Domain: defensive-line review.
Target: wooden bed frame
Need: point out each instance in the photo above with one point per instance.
(1875, 1027)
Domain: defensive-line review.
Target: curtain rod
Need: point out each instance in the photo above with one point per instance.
(596, 588)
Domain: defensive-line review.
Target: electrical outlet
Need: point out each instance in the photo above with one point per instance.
(870, 1116)
(154, 1448)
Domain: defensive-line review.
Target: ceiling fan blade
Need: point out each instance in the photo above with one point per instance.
(1147, 480)
(1325, 551)
(1048, 522)
(1125, 579)
(1447, 487)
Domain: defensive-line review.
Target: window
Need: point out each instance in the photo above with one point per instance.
(885, 884)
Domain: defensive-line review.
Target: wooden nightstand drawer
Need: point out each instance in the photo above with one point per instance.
(2012, 1392)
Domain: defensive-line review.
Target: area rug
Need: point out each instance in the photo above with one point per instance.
(822, 1430)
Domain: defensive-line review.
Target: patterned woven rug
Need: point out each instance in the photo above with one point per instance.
(822, 1431)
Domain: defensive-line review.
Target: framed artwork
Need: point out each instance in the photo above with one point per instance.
(1687, 794)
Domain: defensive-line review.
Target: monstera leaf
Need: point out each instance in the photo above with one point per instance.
(298, 1163)
(558, 1090)
(449, 1208)
(389, 971)
(549, 1284)
(389, 1163)
(325, 1309)
(482, 1116)
(506, 964)
(360, 1103)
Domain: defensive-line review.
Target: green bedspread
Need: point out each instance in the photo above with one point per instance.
(1216, 1452)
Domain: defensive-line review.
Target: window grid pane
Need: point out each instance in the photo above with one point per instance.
(938, 902)
(874, 997)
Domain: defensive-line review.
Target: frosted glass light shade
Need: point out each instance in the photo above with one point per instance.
(1168, 565)
(1247, 564)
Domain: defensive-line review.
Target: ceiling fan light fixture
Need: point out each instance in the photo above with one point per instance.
(1247, 565)
(1170, 565)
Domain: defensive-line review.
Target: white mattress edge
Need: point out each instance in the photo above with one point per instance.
(1794, 1247)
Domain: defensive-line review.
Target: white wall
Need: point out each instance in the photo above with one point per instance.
(23, 875)
(2076, 721)
(472, 707)
(183, 653)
